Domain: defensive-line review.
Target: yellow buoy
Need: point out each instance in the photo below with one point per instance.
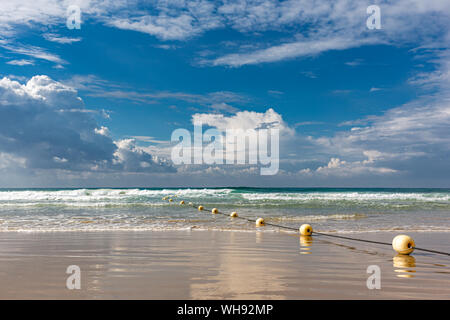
(305, 230)
(214, 211)
(403, 244)
(260, 222)
(170, 200)
(182, 202)
(200, 208)
(233, 214)
(165, 198)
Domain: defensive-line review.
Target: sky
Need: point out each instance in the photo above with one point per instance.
(96, 106)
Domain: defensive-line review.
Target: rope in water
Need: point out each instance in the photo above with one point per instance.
(323, 234)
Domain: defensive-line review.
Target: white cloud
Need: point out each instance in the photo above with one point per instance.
(412, 139)
(165, 27)
(8, 161)
(354, 63)
(21, 62)
(223, 107)
(60, 39)
(321, 26)
(134, 159)
(287, 51)
(104, 131)
(308, 123)
(42, 122)
(310, 27)
(96, 87)
(33, 51)
(244, 120)
(340, 167)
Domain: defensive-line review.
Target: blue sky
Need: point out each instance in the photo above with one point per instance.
(97, 106)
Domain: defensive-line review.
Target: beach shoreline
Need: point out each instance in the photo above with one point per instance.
(217, 265)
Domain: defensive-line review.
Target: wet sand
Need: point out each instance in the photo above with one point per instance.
(217, 265)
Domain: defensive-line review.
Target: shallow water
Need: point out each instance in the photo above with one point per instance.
(217, 265)
(329, 210)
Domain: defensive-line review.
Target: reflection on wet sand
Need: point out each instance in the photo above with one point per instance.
(305, 244)
(212, 265)
(242, 273)
(406, 265)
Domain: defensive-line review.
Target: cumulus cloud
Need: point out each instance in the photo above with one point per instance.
(400, 142)
(42, 123)
(244, 120)
(412, 140)
(45, 125)
(340, 167)
(134, 159)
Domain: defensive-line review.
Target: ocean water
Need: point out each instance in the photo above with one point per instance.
(327, 209)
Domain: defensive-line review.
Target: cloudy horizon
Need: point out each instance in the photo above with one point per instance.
(96, 106)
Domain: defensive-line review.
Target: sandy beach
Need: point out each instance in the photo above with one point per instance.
(217, 265)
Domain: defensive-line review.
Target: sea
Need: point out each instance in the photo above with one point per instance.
(334, 210)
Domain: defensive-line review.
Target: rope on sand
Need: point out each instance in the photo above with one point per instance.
(402, 244)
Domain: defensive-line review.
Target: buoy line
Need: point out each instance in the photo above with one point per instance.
(402, 244)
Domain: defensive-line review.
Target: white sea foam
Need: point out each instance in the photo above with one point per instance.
(83, 195)
(350, 196)
(143, 209)
(318, 217)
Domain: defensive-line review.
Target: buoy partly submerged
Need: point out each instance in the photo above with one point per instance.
(200, 208)
(233, 214)
(214, 211)
(182, 202)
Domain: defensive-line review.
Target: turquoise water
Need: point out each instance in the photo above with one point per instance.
(327, 209)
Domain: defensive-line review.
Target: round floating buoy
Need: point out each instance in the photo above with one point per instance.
(200, 208)
(182, 202)
(165, 198)
(170, 200)
(260, 222)
(403, 244)
(233, 214)
(190, 203)
(214, 211)
(305, 230)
